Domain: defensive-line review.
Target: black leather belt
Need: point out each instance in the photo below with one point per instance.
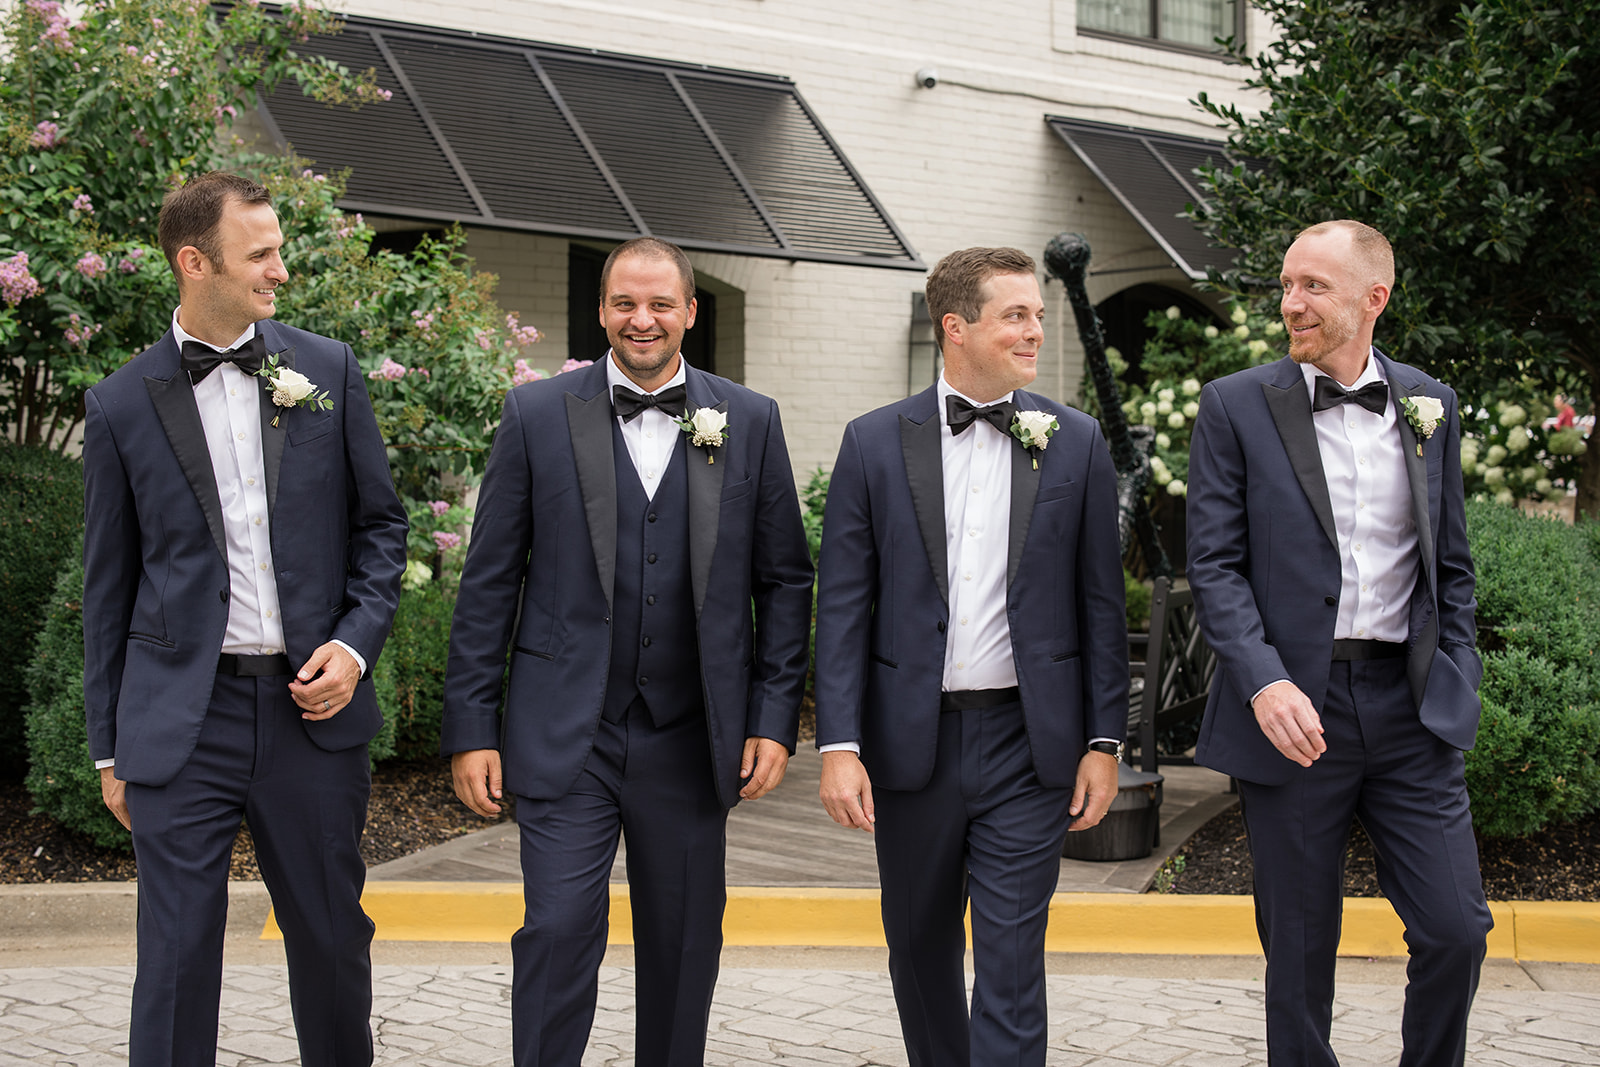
(253, 666)
(967, 699)
(1350, 648)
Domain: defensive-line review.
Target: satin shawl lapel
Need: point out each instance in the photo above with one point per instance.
(1290, 405)
(272, 437)
(173, 398)
(1024, 489)
(589, 427)
(920, 442)
(705, 488)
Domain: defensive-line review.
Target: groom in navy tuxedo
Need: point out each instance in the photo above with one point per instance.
(633, 514)
(972, 679)
(1329, 561)
(242, 562)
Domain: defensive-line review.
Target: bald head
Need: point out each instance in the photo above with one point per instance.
(1371, 255)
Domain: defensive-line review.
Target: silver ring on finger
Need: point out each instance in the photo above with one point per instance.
(326, 706)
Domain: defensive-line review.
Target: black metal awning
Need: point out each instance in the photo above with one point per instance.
(1152, 175)
(518, 135)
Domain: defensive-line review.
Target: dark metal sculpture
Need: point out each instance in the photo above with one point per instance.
(1067, 258)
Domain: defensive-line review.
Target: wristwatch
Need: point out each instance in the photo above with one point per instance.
(1110, 748)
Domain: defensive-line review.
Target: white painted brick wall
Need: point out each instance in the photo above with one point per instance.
(969, 162)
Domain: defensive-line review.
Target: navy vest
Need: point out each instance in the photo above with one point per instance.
(655, 653)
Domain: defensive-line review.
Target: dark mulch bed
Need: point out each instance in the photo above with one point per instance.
(413, 806)
(1559, 863)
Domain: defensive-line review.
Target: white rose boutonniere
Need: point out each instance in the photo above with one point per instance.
(1033, 430)
(708, 428)
(290, 388)
(1424, 414)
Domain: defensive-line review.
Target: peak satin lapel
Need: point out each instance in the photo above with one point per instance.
(1291, 410)
(705, 491)
(272, 437)
(1024, 490)
(589, 427)
(919, 442)
(180, 418)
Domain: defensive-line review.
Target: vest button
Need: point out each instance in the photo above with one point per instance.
(651, 517)
(224, 596)
(651, 558)
(1330, 600)
(643, 680)
(941, 626)
(646, 642)
(651, 599)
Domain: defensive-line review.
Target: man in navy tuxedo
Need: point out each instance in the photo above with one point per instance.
(242, 562)
(631, 514)
(972, 679)
(1329, 561)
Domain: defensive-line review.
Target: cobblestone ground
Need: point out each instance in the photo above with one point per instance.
(453, 1015)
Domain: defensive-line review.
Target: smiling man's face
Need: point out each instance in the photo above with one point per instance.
(646, 313)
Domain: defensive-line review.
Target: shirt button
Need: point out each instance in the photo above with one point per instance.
(1363, 587)
(1362, 461)
(967, 577)
(651, 433)
(1358, 548)
(233, 392)
(241, 436)
(1361, 632)
(249, 481)
(972, 532)
(963, 620)
(263, 566)
(258, 522)
(651, 473)
(961, 666)
(269, 614)
(980, 446)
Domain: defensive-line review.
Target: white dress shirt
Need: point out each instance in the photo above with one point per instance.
(1363, 460)
(651, 436)
(977, 533)
(230, 412)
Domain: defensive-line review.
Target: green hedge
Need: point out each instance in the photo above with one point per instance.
(61, 776)
(1538, 592)
(409, 676)
(41, 514)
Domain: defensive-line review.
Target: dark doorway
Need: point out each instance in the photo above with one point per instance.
(586, 338)
(1122, 320)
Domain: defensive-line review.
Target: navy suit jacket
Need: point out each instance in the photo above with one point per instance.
(539, 579)
(155, 558)
(883, 601)
(1264, 561)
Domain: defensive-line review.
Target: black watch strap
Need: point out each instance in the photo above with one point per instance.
(1110, 748)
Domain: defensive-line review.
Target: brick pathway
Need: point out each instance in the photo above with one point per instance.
(459, 1015)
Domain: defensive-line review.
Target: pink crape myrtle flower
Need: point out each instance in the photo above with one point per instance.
(446, 540)
(45, 135)
(390, 371)
(91, 265)
(16, 283)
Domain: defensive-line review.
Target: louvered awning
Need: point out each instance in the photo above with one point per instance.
(517, 135)
(1152, 175)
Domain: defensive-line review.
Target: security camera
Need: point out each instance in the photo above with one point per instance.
(927, 77)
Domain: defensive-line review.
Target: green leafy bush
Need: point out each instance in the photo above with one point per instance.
(1538, 595)
(41, 512)
(61, 776)
(409, 676)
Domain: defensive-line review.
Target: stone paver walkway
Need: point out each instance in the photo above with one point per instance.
(455, 1016)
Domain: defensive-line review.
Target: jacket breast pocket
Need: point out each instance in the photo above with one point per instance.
(303, 435)
(1059, 491)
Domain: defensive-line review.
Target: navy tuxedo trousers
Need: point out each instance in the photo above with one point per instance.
(652, 784)
(306, 808)
(1407, 788)
(982, 829)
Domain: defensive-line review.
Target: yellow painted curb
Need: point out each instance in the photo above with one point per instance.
(1128, 923)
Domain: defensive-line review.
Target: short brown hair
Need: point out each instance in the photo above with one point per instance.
(192, 213)
(650, 248)
(1372, 248)
(956, 284)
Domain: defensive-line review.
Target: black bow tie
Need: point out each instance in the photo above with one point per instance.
(629, 403)
(1374, 396)
(960, 414)
(200, 359)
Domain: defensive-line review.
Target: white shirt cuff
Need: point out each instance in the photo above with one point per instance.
(1263, 689)
(841, 746)
(102, 764)
(361, 663)
(1113, 740)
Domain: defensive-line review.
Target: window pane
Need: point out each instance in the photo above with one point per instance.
(1196, 22)
(1116, 16)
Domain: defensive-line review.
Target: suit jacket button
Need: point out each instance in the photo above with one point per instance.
(1330, 600)
(224, 596)
(643, 680)
(941, 626)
